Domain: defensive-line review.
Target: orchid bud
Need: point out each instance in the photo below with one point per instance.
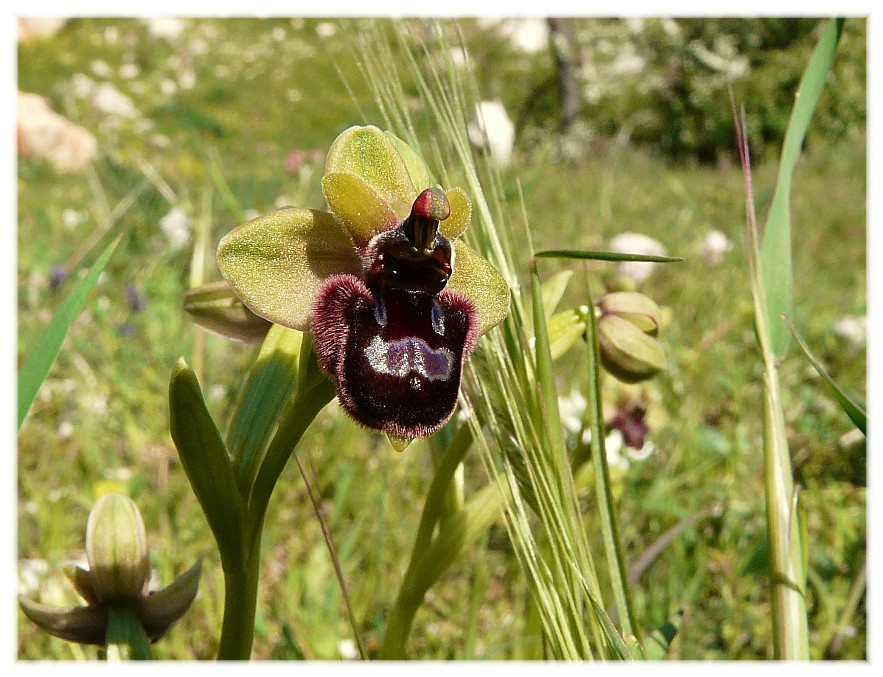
(116, 548)
(627, 326)
(216, 308)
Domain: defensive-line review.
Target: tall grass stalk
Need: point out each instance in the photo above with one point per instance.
(770, 273)
(510, 384)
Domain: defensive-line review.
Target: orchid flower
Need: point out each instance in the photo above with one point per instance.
(394, 300)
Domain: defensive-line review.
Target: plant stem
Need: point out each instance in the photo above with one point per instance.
(240, 604)
(612, 543)
(241, 577)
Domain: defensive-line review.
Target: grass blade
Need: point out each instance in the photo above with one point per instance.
(588, 254)
(775, 250)
(853, 408)
(38, 363)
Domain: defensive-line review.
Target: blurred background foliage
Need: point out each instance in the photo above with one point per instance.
(175, 104)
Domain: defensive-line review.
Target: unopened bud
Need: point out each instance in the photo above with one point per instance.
(627, 352)
(216, 307)
(635, 307)
(116, 548)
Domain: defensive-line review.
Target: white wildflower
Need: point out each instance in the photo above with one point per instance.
(168, 87)
(493, 126)
(325, 29)
(854, 328)
(635, 243)
(82, 85)
(165, 27)
(71, 218)
(107, 99)
(65, 430)
(217, 392)
(529, 35)
(571, 409)
(176, 227)
(100, 68)
(714, 246)
(129, 71)
(187, 79)
(347, 649)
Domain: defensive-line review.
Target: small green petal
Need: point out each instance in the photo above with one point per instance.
(369, 154)
(474, 276)
(278, 262)
(417, 169)
(461, 214)
(399, 443)
(358, 206)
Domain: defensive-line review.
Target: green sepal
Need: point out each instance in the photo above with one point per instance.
(206, 462)
(277, 263)
(475, 276)
(363, 212)
(160, 610)
(417, 169)
(565, 329)
(369, 154)
(216, 308)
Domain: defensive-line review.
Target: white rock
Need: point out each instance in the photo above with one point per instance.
(45, 135)
(38, 27)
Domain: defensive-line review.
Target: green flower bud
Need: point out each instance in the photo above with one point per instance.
(119, 571)
(627, 352)
(116, 548)
(216, 308)
(635, 307)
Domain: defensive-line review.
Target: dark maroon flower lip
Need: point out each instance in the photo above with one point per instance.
(395, 341)
(397, 362)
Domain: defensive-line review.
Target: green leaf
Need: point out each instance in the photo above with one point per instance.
(775, 249)
(126, 639)
(206, 462)
(277, 262)
(853, 407)
(270, 385)
(603, 256)
(38, 363)
(553, 290)
(659, 641)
